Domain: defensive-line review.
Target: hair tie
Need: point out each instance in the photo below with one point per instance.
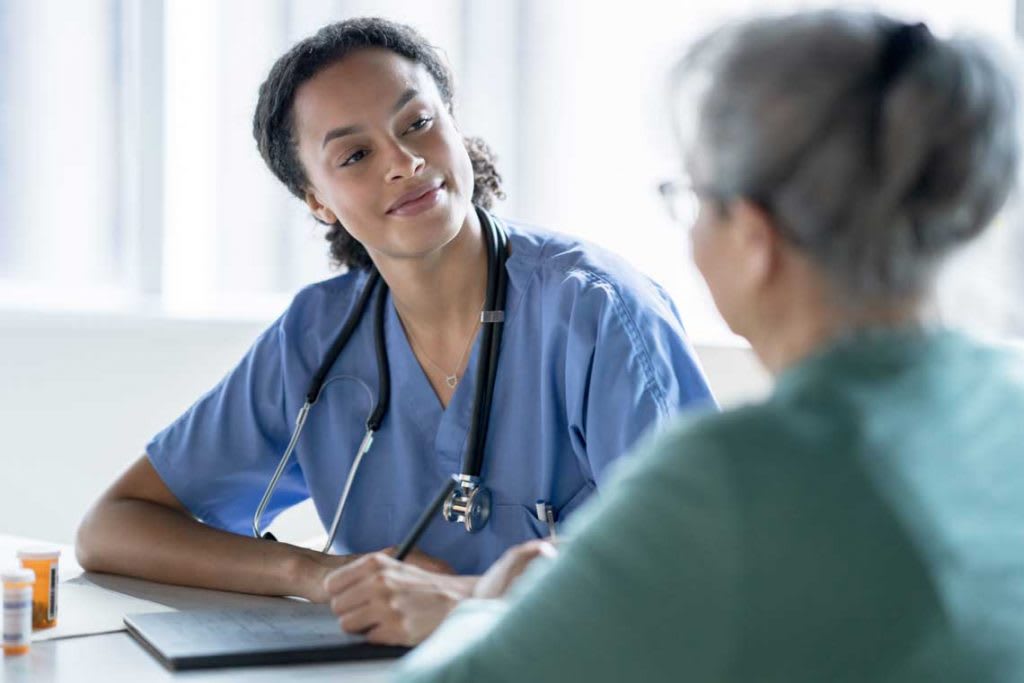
(902, 44)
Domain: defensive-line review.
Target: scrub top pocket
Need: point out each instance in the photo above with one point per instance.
(513, 521)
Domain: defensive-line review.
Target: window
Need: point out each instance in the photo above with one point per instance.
(60, 223)
(128, 175)
(595, 139)
(129, 179)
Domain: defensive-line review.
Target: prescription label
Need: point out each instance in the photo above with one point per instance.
(51, 611)
(17, 617)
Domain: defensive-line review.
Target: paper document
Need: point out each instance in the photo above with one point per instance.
(84, 609)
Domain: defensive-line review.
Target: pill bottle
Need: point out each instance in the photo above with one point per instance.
(43, 561)
(17, 610)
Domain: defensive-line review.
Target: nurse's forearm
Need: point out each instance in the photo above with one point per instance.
(151, 541)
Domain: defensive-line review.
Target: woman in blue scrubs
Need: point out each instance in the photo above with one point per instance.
(357, 122)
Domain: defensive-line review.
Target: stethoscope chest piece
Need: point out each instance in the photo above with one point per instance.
(469, 503)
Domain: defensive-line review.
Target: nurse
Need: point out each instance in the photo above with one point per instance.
(357, 122)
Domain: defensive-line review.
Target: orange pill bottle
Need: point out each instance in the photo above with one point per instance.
(17, 630)
(43, 562)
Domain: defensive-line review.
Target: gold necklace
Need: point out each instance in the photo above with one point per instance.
(450, 379)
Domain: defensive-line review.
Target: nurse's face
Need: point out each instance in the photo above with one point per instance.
(382, 154)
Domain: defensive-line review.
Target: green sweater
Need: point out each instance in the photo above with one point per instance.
(865, 523)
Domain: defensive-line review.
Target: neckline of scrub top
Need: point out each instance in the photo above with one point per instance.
(413, 375)
(448, 428)
(445, 428)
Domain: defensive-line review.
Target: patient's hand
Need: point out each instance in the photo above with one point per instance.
(503, 573)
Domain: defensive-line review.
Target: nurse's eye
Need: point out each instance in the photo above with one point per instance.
(354, 158)
(419, 124)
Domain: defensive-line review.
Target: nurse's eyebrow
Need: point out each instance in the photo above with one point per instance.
(404, 99)
(335, 133)
(339, 133)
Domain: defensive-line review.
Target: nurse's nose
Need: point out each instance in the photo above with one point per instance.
(403, 162)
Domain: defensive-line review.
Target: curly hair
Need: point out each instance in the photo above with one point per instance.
(273, 123)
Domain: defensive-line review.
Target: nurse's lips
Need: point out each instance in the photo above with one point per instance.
(418, 200)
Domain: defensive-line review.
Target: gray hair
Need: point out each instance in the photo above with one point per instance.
(876, 182)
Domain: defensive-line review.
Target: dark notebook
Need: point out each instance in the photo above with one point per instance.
(293, 632)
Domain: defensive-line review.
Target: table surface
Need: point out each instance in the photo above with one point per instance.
(117, 657)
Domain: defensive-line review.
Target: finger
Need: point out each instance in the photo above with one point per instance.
(526, 555)
(537, 545)
(343, 578)
(340, 580)
(388, 634)
(376, 586)
(549, 547)
(381, 586)
(532, 549)
(352, 599)
(521, 554)
(361, 619)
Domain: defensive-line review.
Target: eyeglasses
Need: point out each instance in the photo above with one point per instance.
(681, 201)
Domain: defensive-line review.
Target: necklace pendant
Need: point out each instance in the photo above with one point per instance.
(451, 380)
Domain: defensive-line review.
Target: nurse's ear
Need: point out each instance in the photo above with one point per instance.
(319, 210)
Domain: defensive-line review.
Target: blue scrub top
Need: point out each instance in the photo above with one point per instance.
(593, 354)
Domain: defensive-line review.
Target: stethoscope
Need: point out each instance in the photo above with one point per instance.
(469, 503)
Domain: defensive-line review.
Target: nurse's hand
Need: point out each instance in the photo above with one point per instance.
(320, 565)
(503, 573)
(392, 602)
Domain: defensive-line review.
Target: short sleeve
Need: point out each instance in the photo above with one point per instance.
(219, 456)
(634, 369)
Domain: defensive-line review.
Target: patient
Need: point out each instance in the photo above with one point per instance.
(865, 522)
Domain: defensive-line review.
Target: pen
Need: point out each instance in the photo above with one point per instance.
(546, 513)
(421, 524)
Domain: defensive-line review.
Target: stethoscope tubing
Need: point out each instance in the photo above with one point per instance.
(487, 363)
(492, 320)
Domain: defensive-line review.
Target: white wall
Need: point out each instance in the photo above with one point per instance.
(80, 396)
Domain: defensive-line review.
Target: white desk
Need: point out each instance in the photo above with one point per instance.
(117, 657)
